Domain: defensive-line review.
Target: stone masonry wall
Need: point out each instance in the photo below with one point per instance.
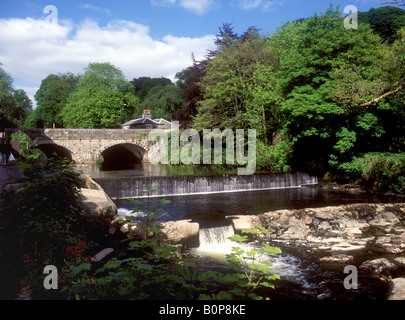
(86, 145)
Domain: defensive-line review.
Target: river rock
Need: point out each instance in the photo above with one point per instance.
(243, 222)
(353, 226)
(397, 289)
(183, 232)
(385, 220)
(297, 230)
(377, 266)
(100, 206)
(337, 259)
(391, 243)
(400, 262)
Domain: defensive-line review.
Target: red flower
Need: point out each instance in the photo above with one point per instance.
(80, 246)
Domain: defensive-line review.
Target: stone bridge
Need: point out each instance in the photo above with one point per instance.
(85, 146)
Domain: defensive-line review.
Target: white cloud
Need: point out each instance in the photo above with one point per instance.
(32, 49)
(259, 4)
(197, 6)
(95, 8)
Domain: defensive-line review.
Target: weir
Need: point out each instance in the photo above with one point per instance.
(133, 187)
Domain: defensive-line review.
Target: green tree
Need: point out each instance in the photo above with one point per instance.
(103, 99)
(143, 85)
(163, 101)
(385, 21)
(231, 86)
(326, 72)
(15, 105)
(51, 99)
(188, 81)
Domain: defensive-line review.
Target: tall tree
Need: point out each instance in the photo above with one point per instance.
(15, 105)
(143, 85)
(103, 99)
(163, 101)
(385, 21)
(237, 75)
(327, 73)
(51, 99)
(188, 81)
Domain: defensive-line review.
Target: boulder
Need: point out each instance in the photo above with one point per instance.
(391, 243)
(337, 260)
(297, 230)
(244, 222)
(183, 232)
(353, 226)
(385, 220)
(400, 262)
(100, 206)
(397, 289)
(377, 266)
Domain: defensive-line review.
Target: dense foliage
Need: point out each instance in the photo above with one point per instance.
(317, 93)
(15, 105)
(51, 98)
(41, 219)
(103, 99)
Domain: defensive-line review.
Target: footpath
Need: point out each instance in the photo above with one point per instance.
(9, 172)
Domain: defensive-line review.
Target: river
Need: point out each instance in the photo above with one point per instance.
(301, 277)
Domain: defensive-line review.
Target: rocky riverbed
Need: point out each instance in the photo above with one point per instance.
(370, 237)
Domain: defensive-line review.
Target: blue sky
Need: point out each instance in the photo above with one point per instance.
(142, 37)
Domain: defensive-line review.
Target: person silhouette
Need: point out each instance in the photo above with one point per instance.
(5, 149)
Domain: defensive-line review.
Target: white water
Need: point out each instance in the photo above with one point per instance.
(214, 244)
(131, 187)
(123, 212)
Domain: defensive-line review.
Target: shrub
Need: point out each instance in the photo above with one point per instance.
(381, 171)
(42, 218)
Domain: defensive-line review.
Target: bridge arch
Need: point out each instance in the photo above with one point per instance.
(55, 150)
(122, 156)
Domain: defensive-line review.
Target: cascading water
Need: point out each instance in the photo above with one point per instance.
(131, 187)
(214, 241)
(215, 245)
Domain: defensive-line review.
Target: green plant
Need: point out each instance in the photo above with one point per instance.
(381, 171)
(251, 270)
(43, 218)
(151, 260)
(30, 157)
